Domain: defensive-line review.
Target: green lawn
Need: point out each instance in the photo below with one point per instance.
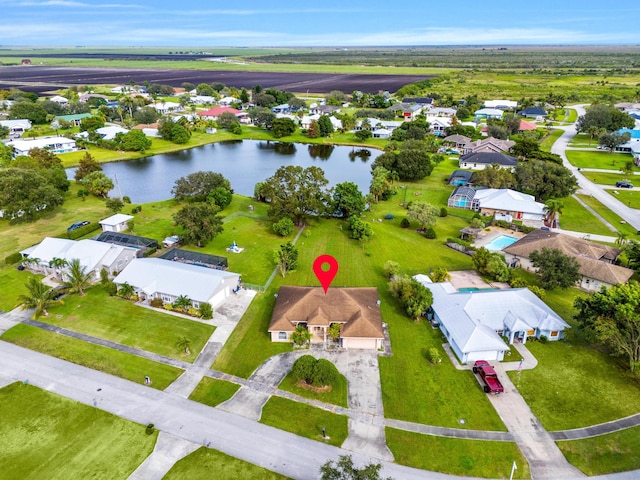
(305, 420)
(628, 197)
(598, 159)
(454, 456)
(213, 392)
(576, 386)
(12, 281)
(48, 436)
(577, 218)
(606, 178)
(608, 215)
(615, 452)
(338, 394)
(93, 356)
(583, 140)
(206, 463)
(122, 321)
(550, 140)
(572, 115)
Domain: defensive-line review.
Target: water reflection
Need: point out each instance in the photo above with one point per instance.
(362, 153)
(323, 152)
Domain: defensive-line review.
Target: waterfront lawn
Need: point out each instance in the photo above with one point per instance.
(122, 321)
(455, 456)
(206, 463)
(598, 159)
(611, 453)
(608, 215)
(338, 394)
(631, 198)
(48, 436)
(577, 218)
(213, 392)
(565, 390)
(92, 356)
(305, 420)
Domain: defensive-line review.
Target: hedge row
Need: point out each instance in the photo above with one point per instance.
(80, 232)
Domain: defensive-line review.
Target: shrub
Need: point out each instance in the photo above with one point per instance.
(126, 199)
(391, 268)
(543, 339)
(516, 282)
(444, 212)
(206, 311)
(302, 368)
(150, 429)
(156, 302)
(283, 227)
(404, 223)
(194, 312)
(429, 233)
(13, 258)
(324, 373)
(433, 355)
(104, 277)
(151, 251)
(111, 288)
(537, 291)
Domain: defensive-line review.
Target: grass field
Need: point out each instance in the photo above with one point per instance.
(598, 159)
(121, 321)
(213, 392)
(577, 218)
(305, 420)
(583, 140)
(48, 436)
(607, 178)
(93, 356)
(608, 215)
(615, 452)
(13, 285)
(564, 391)
(550, 139)
(472, 458)
(628, 197)
(336, 396)
(206, 463)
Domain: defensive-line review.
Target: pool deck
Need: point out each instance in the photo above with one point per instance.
(485, 237)
(471, 279)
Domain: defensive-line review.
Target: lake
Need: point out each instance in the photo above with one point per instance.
(244, 163)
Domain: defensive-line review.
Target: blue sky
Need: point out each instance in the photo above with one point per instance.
(317, 23)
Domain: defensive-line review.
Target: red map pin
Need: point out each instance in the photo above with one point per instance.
(325, 277)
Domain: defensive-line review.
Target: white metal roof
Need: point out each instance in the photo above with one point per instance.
(156, 275)
(116, 219)
(506, 199)
(26, 145)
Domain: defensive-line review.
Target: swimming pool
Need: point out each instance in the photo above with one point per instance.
(500, 242)
(475, 289)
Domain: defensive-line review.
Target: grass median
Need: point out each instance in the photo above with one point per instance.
(212, 392)
(92, 356)
(48, 436)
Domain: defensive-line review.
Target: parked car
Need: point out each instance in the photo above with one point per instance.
(624, 185)
(77, 225)
(488, 376)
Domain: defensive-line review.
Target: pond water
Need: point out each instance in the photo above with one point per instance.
(244, 163)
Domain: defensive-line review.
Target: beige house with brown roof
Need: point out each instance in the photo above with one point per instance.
(357, 311)
(595, 260)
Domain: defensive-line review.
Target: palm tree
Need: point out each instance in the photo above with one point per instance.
(40, 297)
(57, 264)
(182, 302)
(126, 290)
(186, 344)
(77, 278)
(334, 331)
(622, 238)
(553, 209)
(301, 336)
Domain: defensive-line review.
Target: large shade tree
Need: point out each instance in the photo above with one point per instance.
(200, 222)
(555, 268)
(199, 185)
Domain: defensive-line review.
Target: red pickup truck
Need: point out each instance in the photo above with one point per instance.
(488, 376)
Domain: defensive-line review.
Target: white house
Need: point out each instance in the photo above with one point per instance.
(158, 278)
(93, 255)
(116, 223)
(438, 125)
(16, 127)
(475, 322)
(109, 132)
(501, 104)
(55, 144)
(504, 203)
(167, 107)
(227, 101)
(486, 113)
(59, 99)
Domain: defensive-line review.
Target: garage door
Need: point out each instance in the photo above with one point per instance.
(218, 298)
(490, 356)
(360, 343)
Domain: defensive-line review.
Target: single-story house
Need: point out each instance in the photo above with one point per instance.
(481, 160)
(93, 256)
(149, 129)
(158, 278)
(84, 97)
(526, 126)
(626, 106)
(474, 323)
(506, 203)
(55, 144)
(533, 112)
(116, 223)
(74, 119)
(418, 100)
(489, 144)
(407, 110)
(306, 120)
(16, 127)
(214, 113)
(459, 141)
(460, 178)
(438, 125)
(375, 123)
(166, 107)
(501, 104)
(140, 244)
(596, 261)
(284, 108)
(356, 310)
(109, 132)
(486, 113)
(439, 112)
(203, 99)
(324, 110)
(226, 101)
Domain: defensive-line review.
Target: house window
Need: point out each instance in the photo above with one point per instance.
(500, 332)
(165, 298)
(554, 333)
(282, 335)
(195, 305)
(531, 332)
